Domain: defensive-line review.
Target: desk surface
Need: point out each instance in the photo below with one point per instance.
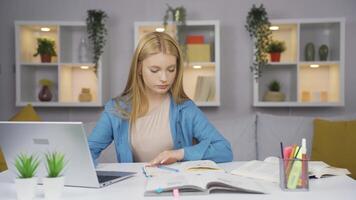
(338, 187)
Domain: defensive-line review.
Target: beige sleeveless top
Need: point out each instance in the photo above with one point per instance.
(152, 134)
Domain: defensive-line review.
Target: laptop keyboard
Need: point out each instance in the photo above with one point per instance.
(103, 179)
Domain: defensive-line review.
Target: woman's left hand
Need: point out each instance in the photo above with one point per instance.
(167, 157)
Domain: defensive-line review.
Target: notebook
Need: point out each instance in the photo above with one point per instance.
(202, 184)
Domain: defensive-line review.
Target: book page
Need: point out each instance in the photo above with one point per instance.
(200, 166)
(320, 168)
(268, 171)
(194, 167)
(228, 183)
(169, 182)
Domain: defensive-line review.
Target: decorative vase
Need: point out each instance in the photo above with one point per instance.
(46, 58)
(83, 50)
(274, 96)
(275, 56)
(323, 52)
(53, 187)
(45, 94)
(85, 95)
(25, 188)
(309, 52)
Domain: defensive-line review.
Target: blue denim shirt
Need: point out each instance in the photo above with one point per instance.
(186, 121)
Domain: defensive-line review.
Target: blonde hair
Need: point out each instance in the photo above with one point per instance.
(133, 94)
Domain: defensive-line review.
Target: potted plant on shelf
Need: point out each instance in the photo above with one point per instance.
(45, 48)
(26, 166)
(97, 32)
(257, 24)
(275, 48)
(54, 182)
(45, 93)
(274, 93)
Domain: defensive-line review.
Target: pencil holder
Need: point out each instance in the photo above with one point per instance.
(294, 174)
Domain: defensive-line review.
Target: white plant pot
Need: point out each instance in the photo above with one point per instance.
(26, 188)
(53, 187)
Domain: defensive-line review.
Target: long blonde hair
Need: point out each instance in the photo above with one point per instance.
(133, 94)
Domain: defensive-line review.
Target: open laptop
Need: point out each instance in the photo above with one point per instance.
(66, 137)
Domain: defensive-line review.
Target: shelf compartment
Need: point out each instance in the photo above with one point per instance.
(200, 84)
(30, 77)
(28, 35)
(319, 85)
(319, 34)
(288, 33)
(286, 75)
(73, 78)
(71, 37)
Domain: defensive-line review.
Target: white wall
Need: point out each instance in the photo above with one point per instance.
(236, 83)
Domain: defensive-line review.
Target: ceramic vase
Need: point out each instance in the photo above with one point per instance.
(45, 94)
(323, 52)
(309, 52)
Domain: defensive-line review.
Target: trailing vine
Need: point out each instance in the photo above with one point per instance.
(257, 24)
(97, 32)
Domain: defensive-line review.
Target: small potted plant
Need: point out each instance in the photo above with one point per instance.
(54, 182)
(25, 183)
(274, 93)
(45, 93)
(275, 48)
(45, 48)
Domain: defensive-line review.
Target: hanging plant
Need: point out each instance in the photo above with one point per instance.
(178, 16)
(97, 32)
(257, 24)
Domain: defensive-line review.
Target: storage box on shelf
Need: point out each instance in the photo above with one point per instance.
(69, 71)
(311, 70)
(202, 63)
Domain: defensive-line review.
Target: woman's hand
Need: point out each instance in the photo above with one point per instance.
(167, 157)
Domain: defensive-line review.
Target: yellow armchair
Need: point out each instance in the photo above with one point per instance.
(27, 113)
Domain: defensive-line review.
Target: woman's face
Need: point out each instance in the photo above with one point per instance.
(158, 73)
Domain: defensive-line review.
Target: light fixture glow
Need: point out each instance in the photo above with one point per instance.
(197, 66)
(274, 28)
(314, 66)
(160, 29)
(45, 29)
(84, 67)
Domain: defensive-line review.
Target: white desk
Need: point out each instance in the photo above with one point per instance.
(341, 188)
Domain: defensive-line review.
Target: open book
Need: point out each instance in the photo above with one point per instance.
(190, 184)
(193, 167)
(268, 169)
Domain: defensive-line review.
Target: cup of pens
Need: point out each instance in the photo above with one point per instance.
(293, 168)
(294, 174)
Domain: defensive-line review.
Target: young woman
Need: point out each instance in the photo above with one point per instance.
(153, 120)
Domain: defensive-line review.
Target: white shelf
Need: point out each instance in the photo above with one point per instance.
(65, 69)
(194, 79)
(303, 85)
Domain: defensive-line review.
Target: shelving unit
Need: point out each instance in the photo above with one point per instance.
(201, 79)
(70, 71)
(313, 83)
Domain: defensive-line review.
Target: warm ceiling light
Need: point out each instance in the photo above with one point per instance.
(197, 66)
(160, 29)
(274, 28)
(314, 66)
(84, 67)
(45, 29)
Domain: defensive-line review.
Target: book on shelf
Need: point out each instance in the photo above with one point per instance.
(268, 169)
(193, 184)
(205, 88)
(192, 167)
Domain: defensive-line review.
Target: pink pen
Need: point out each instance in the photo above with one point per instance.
(176, 193)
